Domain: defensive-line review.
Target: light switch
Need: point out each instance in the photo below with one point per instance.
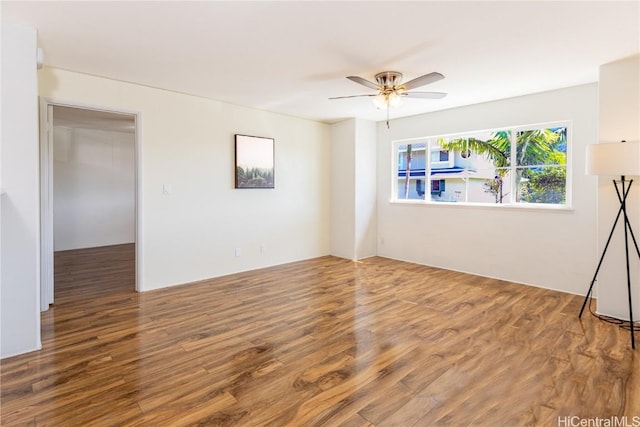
(166, 189)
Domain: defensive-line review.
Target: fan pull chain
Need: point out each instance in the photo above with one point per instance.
(388, 108)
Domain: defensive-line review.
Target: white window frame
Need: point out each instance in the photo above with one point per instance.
(511, 203)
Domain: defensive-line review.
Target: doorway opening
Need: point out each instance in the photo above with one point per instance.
(89, 202)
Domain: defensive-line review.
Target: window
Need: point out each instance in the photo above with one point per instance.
(411, 170)
(523, 165)
(437, 186)
(439, 155)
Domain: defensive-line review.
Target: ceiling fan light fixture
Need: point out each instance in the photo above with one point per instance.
(381, 101)
(395, 100)
(384, 101)
(391, 90)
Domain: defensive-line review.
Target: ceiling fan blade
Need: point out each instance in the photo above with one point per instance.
(352, 96)
(422, 80)
(363, 82)
(425, 95)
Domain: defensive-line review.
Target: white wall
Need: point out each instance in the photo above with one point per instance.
(19, 218)
(366, 189)
(93, 187)
(343, 190)
(186, 142)
(619, 119)
(551, 249)
(353, 189)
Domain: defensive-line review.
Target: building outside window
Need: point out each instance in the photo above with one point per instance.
(523, 165)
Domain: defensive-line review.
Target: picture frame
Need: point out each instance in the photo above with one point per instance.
(254, 161)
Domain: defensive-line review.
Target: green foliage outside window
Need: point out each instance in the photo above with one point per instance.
(540, 162)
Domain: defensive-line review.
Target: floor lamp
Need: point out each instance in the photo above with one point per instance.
(619, 159)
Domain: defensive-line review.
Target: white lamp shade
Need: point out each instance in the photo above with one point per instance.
(615, 159)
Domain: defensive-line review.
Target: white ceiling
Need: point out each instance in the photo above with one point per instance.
(289, 57)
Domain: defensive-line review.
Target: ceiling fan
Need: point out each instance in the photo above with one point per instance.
(391, 90)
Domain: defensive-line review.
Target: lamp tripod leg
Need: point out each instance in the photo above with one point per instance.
(627, 228)
(622, 198)
(595, 275)
(626, 248)
(635, 243)
(633, 238)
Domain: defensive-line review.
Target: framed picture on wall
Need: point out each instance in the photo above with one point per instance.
(255, 162)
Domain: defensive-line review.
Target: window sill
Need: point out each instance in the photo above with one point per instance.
(520, 207)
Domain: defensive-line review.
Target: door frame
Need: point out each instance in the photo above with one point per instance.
(46, 194)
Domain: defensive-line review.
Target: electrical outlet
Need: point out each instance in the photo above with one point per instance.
(238, 252)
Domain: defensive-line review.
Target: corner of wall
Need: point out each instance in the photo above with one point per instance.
(19, 174)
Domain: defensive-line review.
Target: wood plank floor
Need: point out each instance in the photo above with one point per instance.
(324, 342)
